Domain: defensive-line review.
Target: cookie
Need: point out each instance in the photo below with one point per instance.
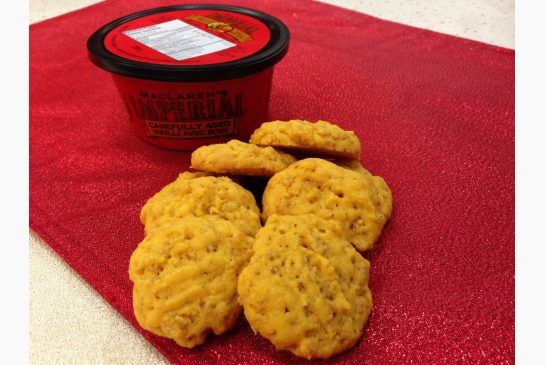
(316, 186)
(385, 195)
(185, 278)
(353, 165)
(306, 288)
(239, 158)
(381, 186)
(301, 136)
(196, 194)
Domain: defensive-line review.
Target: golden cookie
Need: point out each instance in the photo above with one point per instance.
(185, 278)
(381, 186)
(239, 158)
(196, 194)
(299, 135)
(316, 186)
(385, 195)
(353, 165)
(305, 288)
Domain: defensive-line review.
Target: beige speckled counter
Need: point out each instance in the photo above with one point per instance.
(70, 323)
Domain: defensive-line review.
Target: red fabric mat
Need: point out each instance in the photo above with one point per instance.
(436, 117)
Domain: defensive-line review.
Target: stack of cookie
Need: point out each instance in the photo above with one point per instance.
(301, 281)
(199, 235)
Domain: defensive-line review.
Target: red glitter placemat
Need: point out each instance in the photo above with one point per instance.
(435, 114)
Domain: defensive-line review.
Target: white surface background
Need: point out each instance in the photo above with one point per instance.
(69, 321)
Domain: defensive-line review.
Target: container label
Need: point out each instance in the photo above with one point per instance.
(179, 40)
(188, 115)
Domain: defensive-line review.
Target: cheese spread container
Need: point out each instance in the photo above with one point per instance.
(192, 75)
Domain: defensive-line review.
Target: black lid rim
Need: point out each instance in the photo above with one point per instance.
(266, 57)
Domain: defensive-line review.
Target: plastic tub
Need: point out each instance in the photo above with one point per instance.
(192, 75)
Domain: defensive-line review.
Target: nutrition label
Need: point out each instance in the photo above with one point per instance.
(179, 40)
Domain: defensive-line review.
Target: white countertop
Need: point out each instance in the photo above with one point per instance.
(69, 321)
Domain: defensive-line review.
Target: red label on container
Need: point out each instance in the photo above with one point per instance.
(188, 37)
(185, 116)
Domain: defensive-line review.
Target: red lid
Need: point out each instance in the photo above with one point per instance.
(188, 37)
(190, 43)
